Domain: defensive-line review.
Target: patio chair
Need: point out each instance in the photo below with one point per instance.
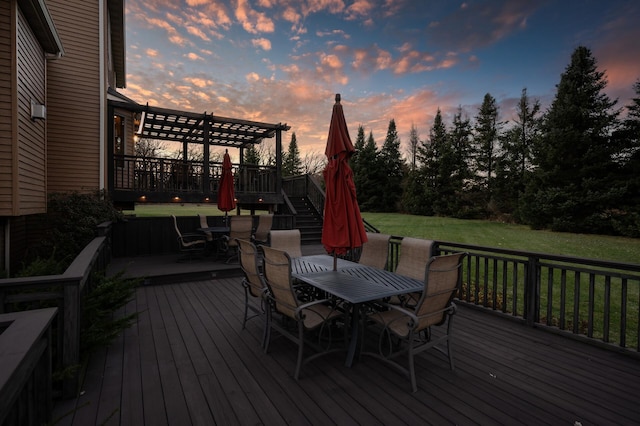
(253, 284)
(261, 235)
(407, 331)
(204, 224)
(287, 240)
(412, 261)
(189, 243)
(240, 228)
(316, 316)
(375, 252)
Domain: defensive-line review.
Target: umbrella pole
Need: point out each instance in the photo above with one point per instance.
(335, 261)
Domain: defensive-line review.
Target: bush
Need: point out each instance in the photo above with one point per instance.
(100, 323)
(71, 221)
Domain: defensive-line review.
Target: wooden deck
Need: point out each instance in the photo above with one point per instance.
(187, 361)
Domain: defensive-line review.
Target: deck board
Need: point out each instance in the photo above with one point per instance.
(188, 361)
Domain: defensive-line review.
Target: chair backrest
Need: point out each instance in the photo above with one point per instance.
(287, 240)
(414, 256)
(240, 228)
(375, 252)
(277, 274)
(205, 224)
(175, 224)
(265, 221)
(248, 256)
(440, 286)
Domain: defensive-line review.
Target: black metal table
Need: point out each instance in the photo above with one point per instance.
(355, 284)
(216, 233)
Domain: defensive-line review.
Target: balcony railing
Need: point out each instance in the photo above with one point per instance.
(146, 176)
(593, 300)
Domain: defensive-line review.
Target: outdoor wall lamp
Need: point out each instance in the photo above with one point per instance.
(38, 111)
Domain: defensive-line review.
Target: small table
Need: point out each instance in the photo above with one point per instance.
(216, 233)
(357, 285)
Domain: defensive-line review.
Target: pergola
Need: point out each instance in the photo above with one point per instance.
(201, 129)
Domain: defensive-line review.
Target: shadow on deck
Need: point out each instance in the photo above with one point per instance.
(187, 361)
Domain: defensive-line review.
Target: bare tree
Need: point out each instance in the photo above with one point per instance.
(313, 162)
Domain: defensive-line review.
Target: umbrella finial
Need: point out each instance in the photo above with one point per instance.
(337, 98)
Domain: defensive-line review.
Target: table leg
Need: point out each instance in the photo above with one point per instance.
(353, 342)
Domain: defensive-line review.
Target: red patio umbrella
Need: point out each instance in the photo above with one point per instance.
(342, 228)
(226, 193)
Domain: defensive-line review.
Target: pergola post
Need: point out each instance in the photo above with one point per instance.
(205, 159)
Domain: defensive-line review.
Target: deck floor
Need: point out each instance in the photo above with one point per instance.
(187, 361)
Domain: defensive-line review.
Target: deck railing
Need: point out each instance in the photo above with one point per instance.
(66, 292)
(153, 174)
(592, 300)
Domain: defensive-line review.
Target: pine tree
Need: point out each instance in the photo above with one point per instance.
(626, 218)
(414, 142)
(251, 155)
(392, 165)
(460, 137)
(514, 162)
(486, 139)
(291, 162)
(571, 190)
(368, 179)
(354, 162)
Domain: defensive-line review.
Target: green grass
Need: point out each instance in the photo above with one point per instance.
(484, 233)
(508, 236)
(155, 210)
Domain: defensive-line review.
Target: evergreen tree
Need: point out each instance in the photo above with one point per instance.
(251, 155)
(368, 180)
(431, 156)
(414, 142)
(291, 162)
(626, 218)
(392, 165)
(355, 159)
(460, 137)
(571, 190)
(514, 162)
(485, 143)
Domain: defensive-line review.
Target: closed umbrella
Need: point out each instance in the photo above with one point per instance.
(226, 193)
(342, 229)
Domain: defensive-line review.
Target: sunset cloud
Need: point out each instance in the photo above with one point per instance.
(252, 21)
(284, 60)
(262, 43)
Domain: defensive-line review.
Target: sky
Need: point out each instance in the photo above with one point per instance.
(283, 61)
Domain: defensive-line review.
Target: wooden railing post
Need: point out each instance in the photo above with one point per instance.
(532, 291)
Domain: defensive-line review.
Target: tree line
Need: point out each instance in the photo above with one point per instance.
(574, 167)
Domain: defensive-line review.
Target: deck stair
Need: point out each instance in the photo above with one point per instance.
(308, 220)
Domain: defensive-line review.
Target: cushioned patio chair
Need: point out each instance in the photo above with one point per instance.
(310, 318)
(204, 224)
(287, 240)
(407, 331)
(253, 284)
(375, 252)
(189, 243)
(240, 228)
(412, 261)
(261, 235)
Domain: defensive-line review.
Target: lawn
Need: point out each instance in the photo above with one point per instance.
(480, 232)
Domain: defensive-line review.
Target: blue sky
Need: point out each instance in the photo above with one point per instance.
(282, 61)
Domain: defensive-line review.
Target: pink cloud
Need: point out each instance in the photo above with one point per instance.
(251, 20)
(262, 43)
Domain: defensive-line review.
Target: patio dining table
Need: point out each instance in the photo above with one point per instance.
(355, 284)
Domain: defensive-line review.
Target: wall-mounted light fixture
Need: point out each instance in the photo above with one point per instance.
(38, 111)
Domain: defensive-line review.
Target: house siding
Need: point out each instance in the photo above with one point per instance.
(73, 95)
(7, 105)
(31, 149)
